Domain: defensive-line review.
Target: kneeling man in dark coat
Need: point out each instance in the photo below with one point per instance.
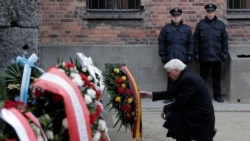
(191, 115)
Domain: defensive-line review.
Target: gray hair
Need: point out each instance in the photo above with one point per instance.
(175, 64)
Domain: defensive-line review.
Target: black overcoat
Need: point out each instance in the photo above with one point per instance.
(211, 40)
(192, 113)
(176, 41)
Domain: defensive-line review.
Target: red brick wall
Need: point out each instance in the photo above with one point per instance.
(61, 23)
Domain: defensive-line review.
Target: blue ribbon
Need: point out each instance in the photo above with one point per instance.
(27, 63)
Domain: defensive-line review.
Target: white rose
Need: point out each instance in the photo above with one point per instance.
(88, 99)
(102, 125)
(97, 136)
(63, 64)
(47, 117)
(90, 78)
(65, 123)
(75, 75)
(84, 69)
(40, 138)
(92, 93)
(49, 134)
(78, 81)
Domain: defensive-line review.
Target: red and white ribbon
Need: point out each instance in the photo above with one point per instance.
(30, 116)
(19, 123)
(77, 112)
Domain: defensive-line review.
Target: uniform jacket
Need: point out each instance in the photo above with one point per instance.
(211, 40)
(192, 113)
(176, 41)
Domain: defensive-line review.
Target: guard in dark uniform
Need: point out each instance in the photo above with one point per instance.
(211, 48)
(176, 41)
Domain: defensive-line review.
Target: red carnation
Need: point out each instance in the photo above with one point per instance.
(85, 79)
(69, 65)
(93, 118)
(127, 116)
(120, 90)
(103, 137)
(57, 98)
(98, 95)
(9, 104)
(118, 80)
(128, 92)
(38, 93)
(98, 109)
(12, 104)
(126, 107)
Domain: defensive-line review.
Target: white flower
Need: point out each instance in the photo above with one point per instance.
(40, 138)
(92, 93)
(49, 134)
(63, 64)
(90, 78)
(47, 117)
(75, 75)
(88, 99)
(78, 81)
(84, 69)
(35, 129)
(102, 125)
(65, 123)
(97, 136)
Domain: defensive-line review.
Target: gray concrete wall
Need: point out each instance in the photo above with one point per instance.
(239, 76)
(143, 62)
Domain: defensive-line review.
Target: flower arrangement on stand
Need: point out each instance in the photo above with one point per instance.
(50, 106)
(20, 71)
(124, 98)
(81, 76)
(86, 82)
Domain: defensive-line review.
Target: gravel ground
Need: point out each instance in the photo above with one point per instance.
(232, 126)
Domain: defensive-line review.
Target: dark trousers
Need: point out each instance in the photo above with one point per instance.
(215, 68)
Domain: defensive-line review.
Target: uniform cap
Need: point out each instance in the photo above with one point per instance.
(175, 11)
(210, 7)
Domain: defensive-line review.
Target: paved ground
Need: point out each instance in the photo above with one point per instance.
(232, 122)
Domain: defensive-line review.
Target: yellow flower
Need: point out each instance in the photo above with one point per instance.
(118, 99)
(124, 78)
(123, 85)
(130, 100)
(116, 70)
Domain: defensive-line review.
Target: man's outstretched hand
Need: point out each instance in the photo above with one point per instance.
(145, 94)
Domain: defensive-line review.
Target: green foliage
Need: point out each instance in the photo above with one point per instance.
(120, 101)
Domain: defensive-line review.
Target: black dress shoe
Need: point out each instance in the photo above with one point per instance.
(218, 99)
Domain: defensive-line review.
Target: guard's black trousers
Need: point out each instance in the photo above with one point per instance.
(215, 67)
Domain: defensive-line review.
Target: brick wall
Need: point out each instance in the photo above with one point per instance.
(61, 23)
